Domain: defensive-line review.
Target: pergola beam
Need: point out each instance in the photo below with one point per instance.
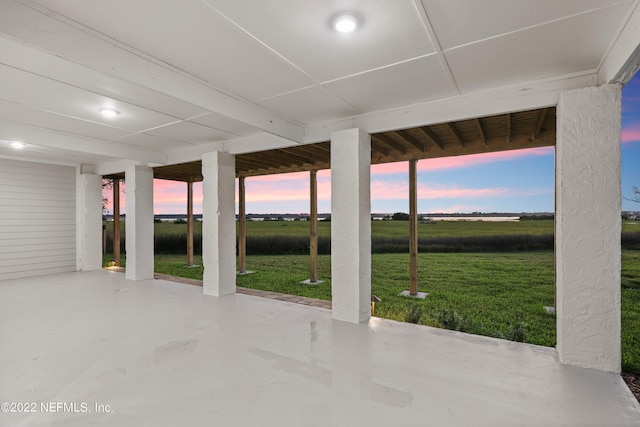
(456, 133)
(389, 142)
(541, 116)
(406, 136)
(478, 123)
(428, 133)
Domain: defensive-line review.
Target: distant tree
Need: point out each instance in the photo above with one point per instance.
(636, 195)
(107, 186)
(107, 193)
(400, 216)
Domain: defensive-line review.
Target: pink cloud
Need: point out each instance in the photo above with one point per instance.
(430, 165)
(631, 135)
(285, 190)
(398, 190)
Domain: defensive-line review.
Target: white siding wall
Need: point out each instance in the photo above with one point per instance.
(37, 219)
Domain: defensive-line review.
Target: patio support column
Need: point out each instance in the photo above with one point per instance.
(139, 241)
(89, 220)
(351, 225)
(242, 225)
(413, 228)
(116, 220)
(190, 223)
(313, 226)
(588, 209)
(219, 224)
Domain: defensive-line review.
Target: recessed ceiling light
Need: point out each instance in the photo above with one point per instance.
(17, 145)
(109, 113)
(345, 23)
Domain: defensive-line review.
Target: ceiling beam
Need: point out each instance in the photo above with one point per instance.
(389, 142)
(457, 134)
(308, 150)
(290, 155)
(82, 146)
(406, 136)
(478, 123)
(378, 147)
(18, 22)
(507, 118)
(431, 136)
(541, 116)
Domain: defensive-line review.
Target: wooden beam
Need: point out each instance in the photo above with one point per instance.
(251, 159)
(190, 223)
(541, 117)
(116, 221)
(377, 146)
(406, 136)
(242, 223)
(456, 133)
(313, 226)
(508, 119)
(413, 228)
(431, 136)
(319, 156)
(302, 158)
(481, 131)
(389, 142)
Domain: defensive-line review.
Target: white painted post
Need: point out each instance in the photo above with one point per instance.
(218, 224)
(89, 220)
(351, 225)
(139, 222)
(588, 221)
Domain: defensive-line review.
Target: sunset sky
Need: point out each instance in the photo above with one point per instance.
(510, 181)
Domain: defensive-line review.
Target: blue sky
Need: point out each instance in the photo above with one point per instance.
(512, 181)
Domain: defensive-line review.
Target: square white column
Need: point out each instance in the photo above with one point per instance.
(89, 220)
(139, 222)
(219, 223)
(588, 211)
(351, 225)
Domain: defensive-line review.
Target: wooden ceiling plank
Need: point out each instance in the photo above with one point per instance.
(541, 116)
(389, 142)
(304, 151)
(411, 140)
(431, 136)
(378, 147)
(294, 156)
(478, 123)
(454, 131)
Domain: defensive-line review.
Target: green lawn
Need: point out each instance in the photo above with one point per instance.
(386, 228)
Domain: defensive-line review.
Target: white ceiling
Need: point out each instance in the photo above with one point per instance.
(188, 76)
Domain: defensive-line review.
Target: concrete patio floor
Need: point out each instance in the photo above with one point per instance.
(101, 350)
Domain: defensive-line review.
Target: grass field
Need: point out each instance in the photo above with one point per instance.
(387, 228)
(493, 294)
(378, 228)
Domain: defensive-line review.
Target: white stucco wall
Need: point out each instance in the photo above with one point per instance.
(351, 225)
(139, 222)
(218, 224)
(588, 210)
(89, 220)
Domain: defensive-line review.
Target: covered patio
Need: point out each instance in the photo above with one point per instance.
(173, 356)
